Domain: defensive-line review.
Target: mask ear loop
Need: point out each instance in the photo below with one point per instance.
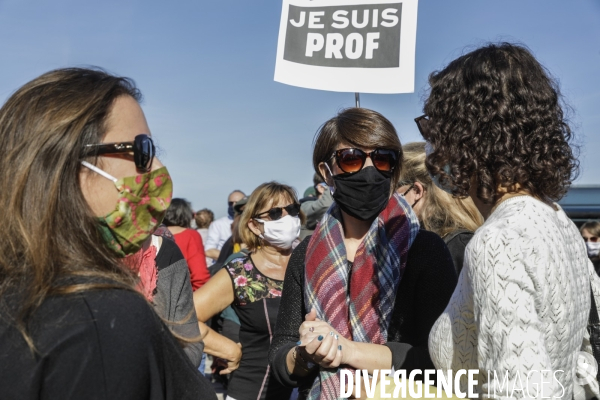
(262, 221)
(99, 171)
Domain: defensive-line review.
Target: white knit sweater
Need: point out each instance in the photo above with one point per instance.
(521, 304)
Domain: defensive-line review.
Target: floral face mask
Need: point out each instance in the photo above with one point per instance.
(143, 202)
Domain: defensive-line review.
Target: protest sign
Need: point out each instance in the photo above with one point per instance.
(348, 45)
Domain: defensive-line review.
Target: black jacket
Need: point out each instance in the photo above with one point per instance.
(424, 292)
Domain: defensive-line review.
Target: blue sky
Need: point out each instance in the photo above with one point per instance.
(206, 72)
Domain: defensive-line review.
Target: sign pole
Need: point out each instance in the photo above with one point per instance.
(357, 99)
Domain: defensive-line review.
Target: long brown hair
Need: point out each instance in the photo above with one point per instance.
(48, 231)
(440, 213)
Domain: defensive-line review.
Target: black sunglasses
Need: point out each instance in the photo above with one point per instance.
(142, 147)
(423, 125)
(276, 213)
(353, 160)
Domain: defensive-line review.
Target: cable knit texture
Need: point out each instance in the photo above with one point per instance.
(521, 304)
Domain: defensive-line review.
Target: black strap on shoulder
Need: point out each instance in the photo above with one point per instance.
(454, 234)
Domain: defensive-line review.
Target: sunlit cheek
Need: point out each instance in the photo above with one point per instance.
(100, 194)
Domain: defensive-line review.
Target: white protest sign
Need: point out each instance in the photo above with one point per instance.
(365, 46)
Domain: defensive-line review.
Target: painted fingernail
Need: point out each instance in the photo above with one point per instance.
(340, 347)
(298, 343)
(331, 333)
(320, 338)
(336, 337)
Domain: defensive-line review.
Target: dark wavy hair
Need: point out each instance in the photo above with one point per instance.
(179, 213)
(496, 119)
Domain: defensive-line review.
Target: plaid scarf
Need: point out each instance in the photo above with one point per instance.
(358, 303)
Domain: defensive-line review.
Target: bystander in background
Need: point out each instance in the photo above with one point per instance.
(314, 208)
(178, 219)
(454, 219)
(203, 219)
(590, 231)
(220, 230)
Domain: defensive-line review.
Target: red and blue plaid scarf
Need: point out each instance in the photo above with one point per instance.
(358, 303)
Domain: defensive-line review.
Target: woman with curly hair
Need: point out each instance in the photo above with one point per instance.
(496, 131)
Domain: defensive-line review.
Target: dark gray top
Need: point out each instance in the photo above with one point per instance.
(174, 299)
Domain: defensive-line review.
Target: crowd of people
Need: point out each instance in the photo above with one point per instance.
(451, 253)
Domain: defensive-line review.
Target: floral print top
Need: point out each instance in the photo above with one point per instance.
(256, 303)
(249, 284)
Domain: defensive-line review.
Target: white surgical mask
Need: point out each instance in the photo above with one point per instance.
(593, 248)
(281, 233)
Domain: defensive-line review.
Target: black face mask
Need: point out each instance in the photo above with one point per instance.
(363, 194)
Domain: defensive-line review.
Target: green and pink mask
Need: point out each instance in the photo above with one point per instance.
(143, 202)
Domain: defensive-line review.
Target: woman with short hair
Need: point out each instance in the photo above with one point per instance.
(364, 290)
(178, 220)
(454, 219)
(82, 189)
(497, 132)
(252, 284)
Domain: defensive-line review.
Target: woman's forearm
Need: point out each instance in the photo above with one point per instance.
(218, 345)
(367, 356)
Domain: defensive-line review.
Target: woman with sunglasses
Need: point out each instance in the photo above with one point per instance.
(82, 190)
(364, 290)
(252, 285)
(590, 231)
(496, 132)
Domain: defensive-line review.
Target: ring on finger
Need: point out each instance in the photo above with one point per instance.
(311, 329)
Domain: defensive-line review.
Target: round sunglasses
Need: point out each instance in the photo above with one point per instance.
(353, 160)
(142, 147)
(276, 213)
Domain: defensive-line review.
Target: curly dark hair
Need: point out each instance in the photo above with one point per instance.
(495, 118)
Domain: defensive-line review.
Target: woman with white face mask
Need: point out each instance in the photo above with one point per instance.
(590, 231)
(252, 285)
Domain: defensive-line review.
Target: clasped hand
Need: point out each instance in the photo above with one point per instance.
(321, 344)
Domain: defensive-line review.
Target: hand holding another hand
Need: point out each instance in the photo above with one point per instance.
(320, 343)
